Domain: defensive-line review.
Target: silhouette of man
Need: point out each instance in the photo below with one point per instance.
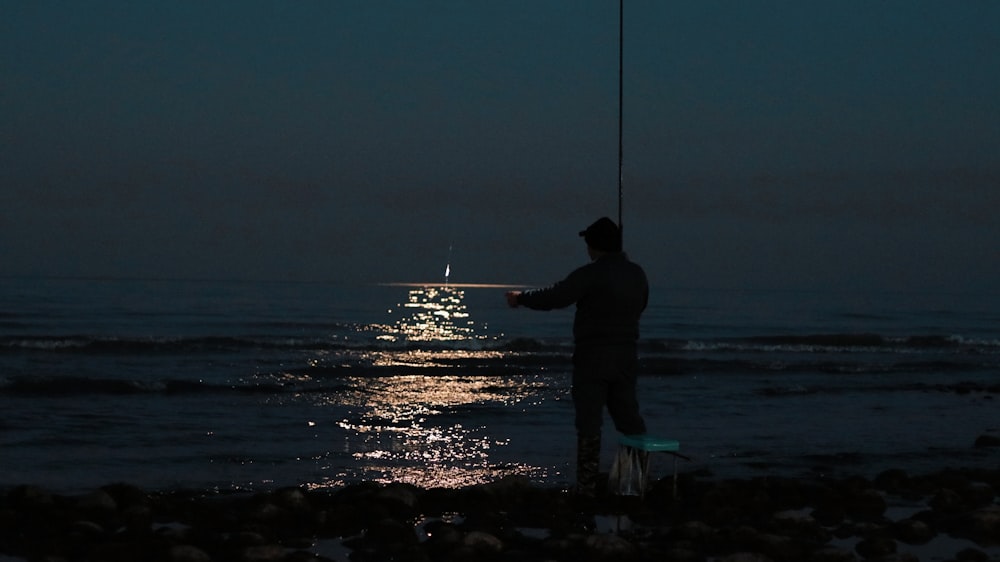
(610, 293)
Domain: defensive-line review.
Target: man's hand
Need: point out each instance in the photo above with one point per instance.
(512, 298)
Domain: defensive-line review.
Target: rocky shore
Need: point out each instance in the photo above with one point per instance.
(888, 518)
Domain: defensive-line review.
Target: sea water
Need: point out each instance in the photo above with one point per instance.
(256, 385)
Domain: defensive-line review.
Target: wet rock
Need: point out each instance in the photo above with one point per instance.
(268, 512)
(829, 515)
(695, 531)
(442, 531)
(305, 556)
(789, 493)
(876, 547)
(745, 557)
(438, 501)
(893, 481)
(246, 539)
(949, 478)
(28, 497)
(482, 542)
(726, 503)
(981, 525)
(947, 501)
(913, 531)
(864, 529)
(442, 538)
(119, 551)
(502, 495)
(800, 525)
(206, 538)
(758, 519)
(609, 546)
(97, 501)
(335, 521)
(404, 496)
(777, 547)
(137, 519)
(971, 555)
(558, 548)
(512, 484)
(85, 530)
(977, 494)
(126, 495)
(866, 504)
(298, 542)
(741, 537)
(263, 553)
(172, 533)
(187, 553)
(294, 499)
(493, 522)
(681, 554)
(831, 554)
(987, 441)
(391, 534)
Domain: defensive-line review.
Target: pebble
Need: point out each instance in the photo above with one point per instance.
(913, 531)
(482, 542)
(187, 553)
(876, 547)
(751, 520)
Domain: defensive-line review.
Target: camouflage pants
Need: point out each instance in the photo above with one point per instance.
(588, 460)
(605, 377)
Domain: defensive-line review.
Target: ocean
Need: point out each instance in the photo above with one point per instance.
(240, 386)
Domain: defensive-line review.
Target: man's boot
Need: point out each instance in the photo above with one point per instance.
(588, 460)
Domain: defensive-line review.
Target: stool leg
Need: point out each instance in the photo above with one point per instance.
(644, 474)
(675, 476)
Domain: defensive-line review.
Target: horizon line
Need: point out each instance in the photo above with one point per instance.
(460, 285)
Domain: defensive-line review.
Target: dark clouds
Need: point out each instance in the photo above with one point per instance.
(767, 143)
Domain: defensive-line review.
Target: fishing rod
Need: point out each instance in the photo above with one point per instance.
(621, 35)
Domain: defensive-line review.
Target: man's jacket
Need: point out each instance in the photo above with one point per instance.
(610, 294)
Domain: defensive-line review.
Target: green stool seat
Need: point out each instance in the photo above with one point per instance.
(650, 443)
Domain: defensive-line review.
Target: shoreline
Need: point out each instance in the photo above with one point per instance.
(894, 516)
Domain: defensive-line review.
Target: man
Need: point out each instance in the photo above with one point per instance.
(610, 294)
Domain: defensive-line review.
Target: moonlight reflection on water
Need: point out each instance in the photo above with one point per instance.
(402, 428)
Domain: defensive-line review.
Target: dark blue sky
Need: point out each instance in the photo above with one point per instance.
(780, 144)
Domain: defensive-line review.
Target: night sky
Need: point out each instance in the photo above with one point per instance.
(768, 144)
